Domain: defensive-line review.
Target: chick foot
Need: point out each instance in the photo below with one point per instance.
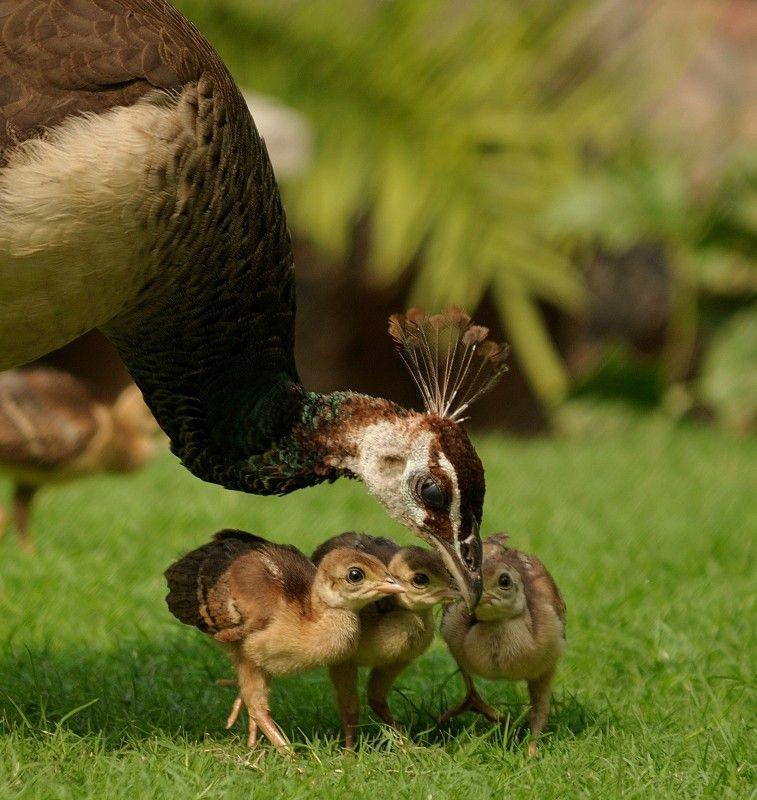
(263, 721)
(234, 714)
(252, 725)
(272, 731)
(471, 702)
(231, 720)
(381, 709)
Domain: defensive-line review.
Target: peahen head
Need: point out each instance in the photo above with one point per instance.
(422, 466)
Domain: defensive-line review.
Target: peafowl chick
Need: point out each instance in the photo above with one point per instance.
(516, 632)
(393, 631)
(275, 612)
(52, 429)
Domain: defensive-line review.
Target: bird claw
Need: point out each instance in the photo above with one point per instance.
(269, 727)
(252, 736)
(234, 715)
(381, 709)
(471, 702)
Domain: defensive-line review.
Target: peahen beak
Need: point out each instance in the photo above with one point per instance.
(464, 566)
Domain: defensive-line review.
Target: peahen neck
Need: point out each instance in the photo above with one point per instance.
(321, 444)
(210, 337)
(247, 429)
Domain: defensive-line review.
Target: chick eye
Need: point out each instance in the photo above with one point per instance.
(432, 494)
(355, 575)
(421, 580)
(505, 581)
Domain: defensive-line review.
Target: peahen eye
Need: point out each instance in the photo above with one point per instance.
(432, 494)
(421, 580)
(355, 575)
(505, 581)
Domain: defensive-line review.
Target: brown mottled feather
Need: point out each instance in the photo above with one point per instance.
(469, 470)
(228, 587)
(46, 418)
(380, 547)
(64, 57)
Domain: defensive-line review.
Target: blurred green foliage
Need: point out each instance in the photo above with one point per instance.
(728, 383)
(645, 193)
(485, 141)
(452, 127)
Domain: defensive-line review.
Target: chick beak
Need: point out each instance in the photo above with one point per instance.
(390, 586)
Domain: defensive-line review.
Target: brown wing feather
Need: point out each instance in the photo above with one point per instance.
(62, 57)
(230, 586)
(382, 548)
(47, 418)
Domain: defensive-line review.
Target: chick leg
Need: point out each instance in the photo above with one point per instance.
(344, 679)
(22, 499)
(539, 693)
(380, 683)
(3, 521)
(471, 702)
(252, 735)
(253, 689)
(236, 708)
(234, 713)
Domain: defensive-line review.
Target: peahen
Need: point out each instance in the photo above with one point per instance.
(137, 197)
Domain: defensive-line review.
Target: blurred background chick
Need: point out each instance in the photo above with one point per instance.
(54, 428)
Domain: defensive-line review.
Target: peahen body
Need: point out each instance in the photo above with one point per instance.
(137, 197)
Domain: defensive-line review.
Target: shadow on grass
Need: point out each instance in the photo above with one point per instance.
(149, 689)
(570, 717)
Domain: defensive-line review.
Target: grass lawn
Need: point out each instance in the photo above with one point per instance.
(648, 532)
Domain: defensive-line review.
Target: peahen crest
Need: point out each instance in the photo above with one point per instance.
(450, 359)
